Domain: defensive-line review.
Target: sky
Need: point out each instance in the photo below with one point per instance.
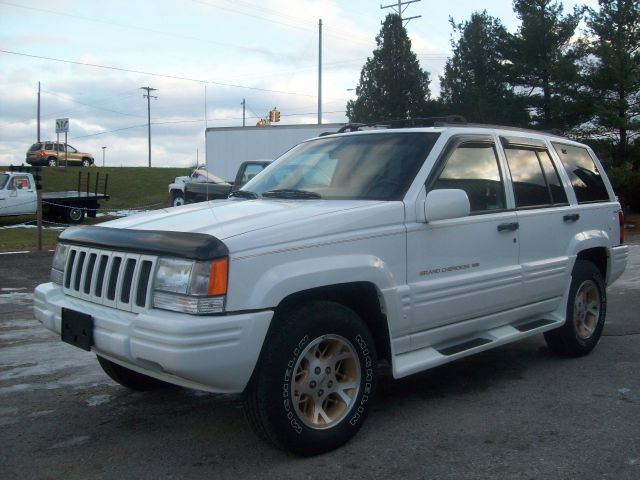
(203, 57)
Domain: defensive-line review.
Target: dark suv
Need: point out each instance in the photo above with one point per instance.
(53, 154)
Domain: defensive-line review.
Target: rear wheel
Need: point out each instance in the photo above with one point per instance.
(52, 162)
(313, 386)
(586, 312)
(128, 378)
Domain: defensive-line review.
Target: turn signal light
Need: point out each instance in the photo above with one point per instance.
(218, 277)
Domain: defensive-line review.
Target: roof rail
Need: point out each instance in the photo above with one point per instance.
(406, 123)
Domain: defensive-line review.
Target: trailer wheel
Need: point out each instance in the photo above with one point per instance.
(74, 215)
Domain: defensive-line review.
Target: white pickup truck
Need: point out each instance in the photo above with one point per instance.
(18, 197)
(418, 246)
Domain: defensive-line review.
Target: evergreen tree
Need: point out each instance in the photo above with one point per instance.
(544, 64)
(392, 84)
(475, 82)
(613, 75)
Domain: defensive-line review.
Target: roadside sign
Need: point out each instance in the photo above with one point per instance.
(62, 125)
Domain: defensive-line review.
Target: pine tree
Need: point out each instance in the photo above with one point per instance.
(544, 64)
(475, 81)
(392, 84)
(613, 75)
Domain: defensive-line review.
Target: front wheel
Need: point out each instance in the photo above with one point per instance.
(86, 162)
(177, 199)
(314, 384)
(128, 378)
(586, 312)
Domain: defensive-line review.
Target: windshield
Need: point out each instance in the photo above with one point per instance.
(378, 166)
(3, 180)
(203, 174)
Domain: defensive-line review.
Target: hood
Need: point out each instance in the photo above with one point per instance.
(296, 219)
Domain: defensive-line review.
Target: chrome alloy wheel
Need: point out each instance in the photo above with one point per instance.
(586, 309)
(326, 381)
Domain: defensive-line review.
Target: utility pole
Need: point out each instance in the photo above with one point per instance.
(38, 112)
(320, 72)
(400, 7)
(149, 97)
(244, 106)
(103, 149)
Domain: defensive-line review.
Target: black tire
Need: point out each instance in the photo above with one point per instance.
(86, 162)
(586, 313)
(74, 214)
(177, 199)
(128, 378)
(320, 355)
(52, 161)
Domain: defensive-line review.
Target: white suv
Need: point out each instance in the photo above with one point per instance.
(418, 246)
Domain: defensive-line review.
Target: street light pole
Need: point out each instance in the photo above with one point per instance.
(103, 149)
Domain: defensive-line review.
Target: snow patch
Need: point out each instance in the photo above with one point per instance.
(73, 441)
(96, 400)
(16, 298)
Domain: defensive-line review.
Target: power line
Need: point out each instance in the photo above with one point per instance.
(71, 99)
(117, 24)
(160, 75)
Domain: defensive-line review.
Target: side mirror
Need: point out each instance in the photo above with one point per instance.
(446, 204)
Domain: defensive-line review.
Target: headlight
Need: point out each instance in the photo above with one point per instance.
(191, 286)
(59, 261)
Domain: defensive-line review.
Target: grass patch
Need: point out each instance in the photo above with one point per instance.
(129, 187)
(26, 239)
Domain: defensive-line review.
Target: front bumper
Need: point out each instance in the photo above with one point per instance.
(212, 353)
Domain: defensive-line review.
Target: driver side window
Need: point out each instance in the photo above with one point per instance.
(472, 166)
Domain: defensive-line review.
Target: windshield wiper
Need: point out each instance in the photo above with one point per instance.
(243, 194)
(290, 193)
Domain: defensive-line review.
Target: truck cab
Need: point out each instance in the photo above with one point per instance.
(17, 194)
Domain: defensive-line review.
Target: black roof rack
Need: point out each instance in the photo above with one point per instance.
(407, 123)
(449, 120)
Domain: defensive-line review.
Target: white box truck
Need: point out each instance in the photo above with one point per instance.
(228, 147)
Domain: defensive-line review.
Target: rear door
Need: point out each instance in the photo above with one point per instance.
(547, 221)
(464, 268)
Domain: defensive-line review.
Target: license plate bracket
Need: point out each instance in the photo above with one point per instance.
(77, 329)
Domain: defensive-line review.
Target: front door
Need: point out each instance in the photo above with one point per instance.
(464, 268)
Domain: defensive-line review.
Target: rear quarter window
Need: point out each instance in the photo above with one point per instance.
(585, 177)
(35, 147)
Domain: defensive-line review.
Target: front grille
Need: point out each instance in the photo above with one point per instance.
(114, 279)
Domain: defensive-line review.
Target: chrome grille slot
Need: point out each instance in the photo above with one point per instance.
(112, 279)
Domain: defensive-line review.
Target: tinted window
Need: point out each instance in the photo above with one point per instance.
(3, 180)
(35, 147)
(473, 167)
(378, 166)
(48, 146)
(558, 194)
(529, 184)
(583, 173)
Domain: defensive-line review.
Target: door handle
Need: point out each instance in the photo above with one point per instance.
(508, 226)
(572, 217)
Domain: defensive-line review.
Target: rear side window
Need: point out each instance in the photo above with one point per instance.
(48, 146)
(35, 147)
(535, 180)
(583, 173)
(472, 166)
